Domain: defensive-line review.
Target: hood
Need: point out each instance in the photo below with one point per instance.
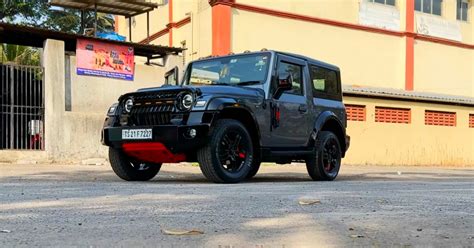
(212, 90)
(230, 91)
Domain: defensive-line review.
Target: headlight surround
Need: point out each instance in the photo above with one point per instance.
(127, 106)
(112, 110)
(185, 101)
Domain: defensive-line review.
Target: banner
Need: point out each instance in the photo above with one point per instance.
(379, 15)
(102, 59)
(438, 27)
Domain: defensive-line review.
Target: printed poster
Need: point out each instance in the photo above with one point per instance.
(102, 59)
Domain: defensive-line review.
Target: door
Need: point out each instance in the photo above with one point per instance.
(291, 108)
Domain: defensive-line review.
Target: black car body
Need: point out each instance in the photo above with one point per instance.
(283, 103)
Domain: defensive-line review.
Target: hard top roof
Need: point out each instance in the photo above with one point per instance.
(311, 60)
(308, 59)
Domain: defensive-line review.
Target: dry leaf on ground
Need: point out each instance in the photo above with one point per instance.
(182, 232)
(309, 201)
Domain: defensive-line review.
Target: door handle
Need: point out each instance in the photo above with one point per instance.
(303, 108)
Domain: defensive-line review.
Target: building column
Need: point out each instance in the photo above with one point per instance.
(410, 45)
(54, 103)
(221, 26)
(170, 21)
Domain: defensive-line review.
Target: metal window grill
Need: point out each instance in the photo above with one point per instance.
(392, 115)
(21, 107)
(471, 120)
(440, 118)
(355, 112)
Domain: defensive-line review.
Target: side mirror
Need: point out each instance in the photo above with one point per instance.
(171, 77)
(284, 83)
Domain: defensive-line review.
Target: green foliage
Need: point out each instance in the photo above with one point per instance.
(21, 55)
(19, 8)
(38, 13)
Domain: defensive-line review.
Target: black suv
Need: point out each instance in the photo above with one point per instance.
(231, 113)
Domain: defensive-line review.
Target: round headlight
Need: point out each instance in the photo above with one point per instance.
(187, 101)
(128, 105)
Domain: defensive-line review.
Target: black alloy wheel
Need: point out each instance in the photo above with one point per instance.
(129, 169)
(228, 155)
(232, 152)
(324, 165)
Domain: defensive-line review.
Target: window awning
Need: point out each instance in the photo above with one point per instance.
(127, 8)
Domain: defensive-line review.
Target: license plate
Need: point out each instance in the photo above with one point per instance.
(136, 134)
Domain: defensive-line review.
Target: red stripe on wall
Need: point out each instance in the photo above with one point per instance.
(299, 17)
(166, 30)
(314, 19)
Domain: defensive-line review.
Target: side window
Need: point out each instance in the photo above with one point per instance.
(325, 83)
(296, 72)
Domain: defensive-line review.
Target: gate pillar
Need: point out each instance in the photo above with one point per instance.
(54, 83)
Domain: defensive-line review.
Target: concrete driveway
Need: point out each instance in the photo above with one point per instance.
(72, 205)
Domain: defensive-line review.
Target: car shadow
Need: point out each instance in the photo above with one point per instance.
(194, 176)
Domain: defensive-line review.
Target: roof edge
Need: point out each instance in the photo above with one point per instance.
(398, 94)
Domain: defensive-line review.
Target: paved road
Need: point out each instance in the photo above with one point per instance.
(66, 205)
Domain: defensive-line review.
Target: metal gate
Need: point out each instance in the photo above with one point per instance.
(22, 107)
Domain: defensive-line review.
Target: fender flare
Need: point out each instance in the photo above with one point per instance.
(220, 103)
(322, 119)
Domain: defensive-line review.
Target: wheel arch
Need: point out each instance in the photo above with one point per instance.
(244, 116)
(328, 121)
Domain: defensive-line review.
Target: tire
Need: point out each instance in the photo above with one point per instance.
(130, 170)
(255, 167)
(324, 165)
(228, 155)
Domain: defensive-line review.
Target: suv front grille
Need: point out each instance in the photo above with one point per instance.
(156, 96)
(154, 108)
(148, 115)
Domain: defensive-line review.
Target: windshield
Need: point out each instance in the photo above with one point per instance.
(235, 70)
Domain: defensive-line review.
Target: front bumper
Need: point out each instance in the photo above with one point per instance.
(174, 137)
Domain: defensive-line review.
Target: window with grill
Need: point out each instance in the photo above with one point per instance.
(392, 115)
(440, 118)
(471, 120)
(386, 2)
(429, 6)
(462, 9)
(355, 112)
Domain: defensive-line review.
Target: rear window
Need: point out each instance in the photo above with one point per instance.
(325, 83)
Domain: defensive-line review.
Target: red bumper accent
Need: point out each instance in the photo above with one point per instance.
(152, 152)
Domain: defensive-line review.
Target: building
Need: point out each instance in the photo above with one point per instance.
(407, 66)
(53, 113)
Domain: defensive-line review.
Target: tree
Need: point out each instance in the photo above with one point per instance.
(21, 55)
(38, 13)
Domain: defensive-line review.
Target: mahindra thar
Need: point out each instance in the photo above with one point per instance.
(231, 113)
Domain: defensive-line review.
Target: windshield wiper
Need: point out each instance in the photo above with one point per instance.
(248, 83)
